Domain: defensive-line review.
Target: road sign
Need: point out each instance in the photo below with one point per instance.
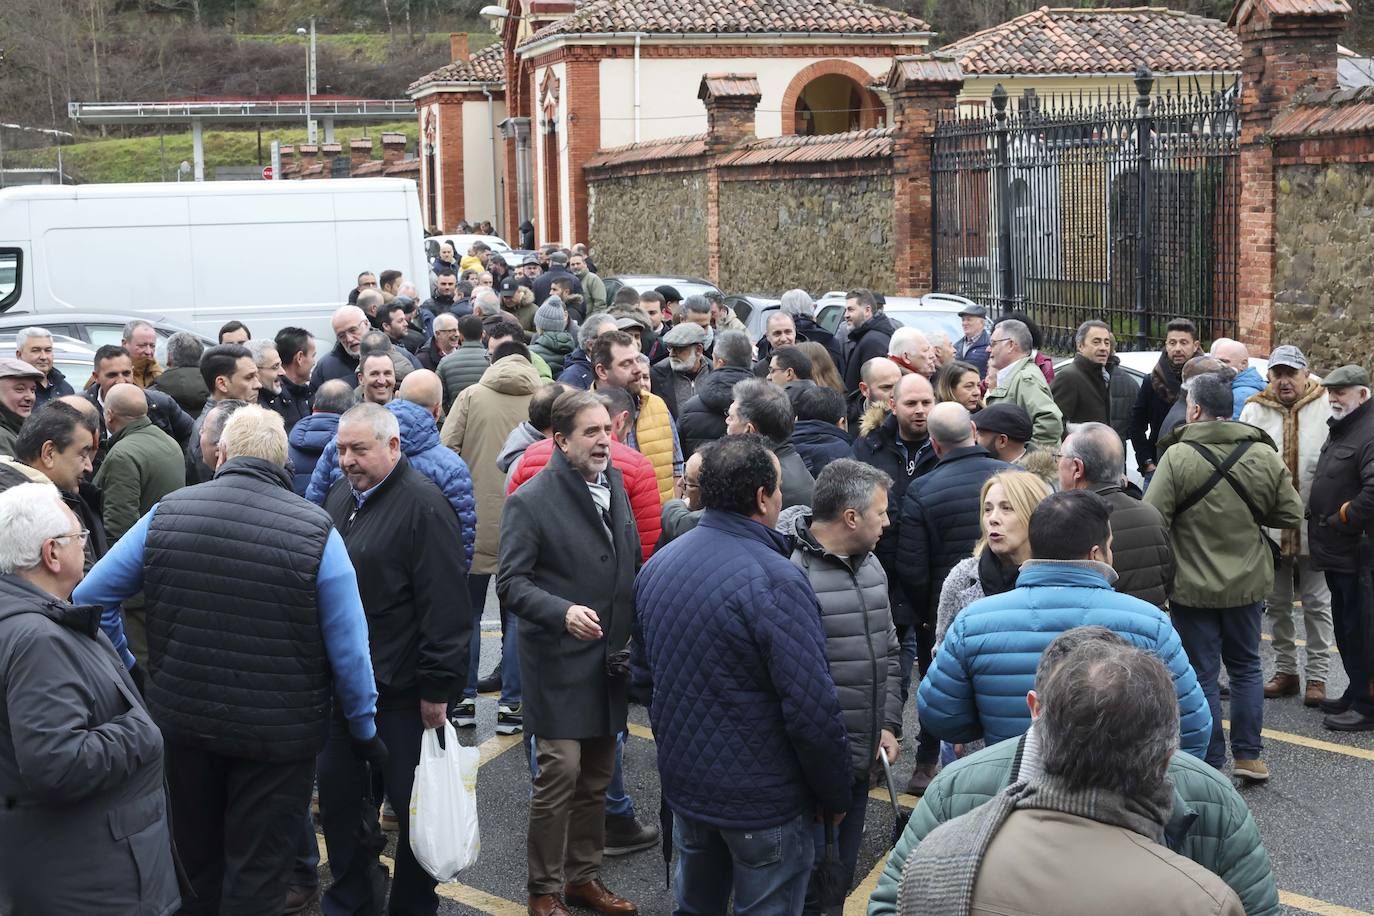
(267, 173)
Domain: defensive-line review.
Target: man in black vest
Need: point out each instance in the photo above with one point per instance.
(405, 541)
(253, 620)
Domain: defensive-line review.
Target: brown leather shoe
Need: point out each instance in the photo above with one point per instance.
(1281, 685)
(594, 896)
(547, 905)
(1315, 695)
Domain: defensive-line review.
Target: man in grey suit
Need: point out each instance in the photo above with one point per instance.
(575, 689)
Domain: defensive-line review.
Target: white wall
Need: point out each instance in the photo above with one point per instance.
(484, 161)
(563, 232)
(669, 106)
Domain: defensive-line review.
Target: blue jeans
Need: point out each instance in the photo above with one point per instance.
(849, 836)
(510, 657)
(767, 868)
(618, 801)
(1211, 637)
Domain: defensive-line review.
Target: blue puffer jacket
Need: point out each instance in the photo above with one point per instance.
(820, 443)
(977, 685)
(306, 442)
(1243, 386)
(748, 726)
(577, 370)
(420, 443)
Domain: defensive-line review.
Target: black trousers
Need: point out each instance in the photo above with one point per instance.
(236, 824)
(348, 814)
(1351, 618)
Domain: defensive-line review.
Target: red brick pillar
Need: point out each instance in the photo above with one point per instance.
(359, 151)
(288, 161)
(921, 87)
(308, 153)
(393, 147)
(449, 139)
(330, 152)
(1287, 47)
(583, 83)
(731, 100)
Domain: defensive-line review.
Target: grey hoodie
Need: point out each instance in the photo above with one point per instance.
(520, 438)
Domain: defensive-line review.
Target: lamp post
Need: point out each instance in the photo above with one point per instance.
(310, 87)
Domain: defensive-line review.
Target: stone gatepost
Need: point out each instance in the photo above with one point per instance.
(1288, 47)
(730, 100)
(921, 86)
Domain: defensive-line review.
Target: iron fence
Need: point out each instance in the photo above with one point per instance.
(1122, 209)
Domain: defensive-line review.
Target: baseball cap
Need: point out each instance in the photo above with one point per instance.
(508, 286)
(669, 293)
(1287, 355)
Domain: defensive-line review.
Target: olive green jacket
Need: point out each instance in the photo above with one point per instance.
(143, 465)
(1026, 386)
(1210, 823)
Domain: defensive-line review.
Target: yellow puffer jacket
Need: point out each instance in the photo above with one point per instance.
(654, 433)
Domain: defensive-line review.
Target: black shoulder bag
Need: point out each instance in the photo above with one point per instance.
(1220, 472)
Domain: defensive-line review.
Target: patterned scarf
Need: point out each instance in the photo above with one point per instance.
(939, 877)
(1166, 380)
(1290, 538)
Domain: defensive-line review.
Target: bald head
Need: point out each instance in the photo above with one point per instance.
(424, 388)
(124, 403)
(877, 378)
(1200, 364)
(81, 403)
(950, 427)
(1232, 353)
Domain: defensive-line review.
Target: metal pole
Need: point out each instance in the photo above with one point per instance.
(1006, 280)
(1144, 82)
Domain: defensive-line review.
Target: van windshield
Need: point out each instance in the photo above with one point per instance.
(9, 277)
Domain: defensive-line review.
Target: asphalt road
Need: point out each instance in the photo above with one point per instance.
(1313, 813)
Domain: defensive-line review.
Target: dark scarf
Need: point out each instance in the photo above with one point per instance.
(1166, 380)
(940, 875)
(995, 576)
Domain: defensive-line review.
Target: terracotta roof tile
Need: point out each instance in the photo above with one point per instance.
(486, 66)
(859, 144)
(1341, 111)
(729, 85)
(732, 16)
(1102, 41)
(649, 150)
(923, 69)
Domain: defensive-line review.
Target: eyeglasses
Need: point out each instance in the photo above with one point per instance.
(84, 534)
(360, 326)
(997, 340)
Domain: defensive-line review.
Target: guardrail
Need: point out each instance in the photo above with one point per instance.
(133, 112)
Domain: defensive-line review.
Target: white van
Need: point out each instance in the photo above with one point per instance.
(269, 253)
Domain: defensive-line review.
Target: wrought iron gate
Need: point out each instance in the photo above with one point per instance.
(1040, 210)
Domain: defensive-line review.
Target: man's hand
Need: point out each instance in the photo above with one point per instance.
(822, 814)
(583, 623)
(432, 714)
(372, 750)
(888, 743)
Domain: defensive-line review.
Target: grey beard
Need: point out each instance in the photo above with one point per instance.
(683, 366)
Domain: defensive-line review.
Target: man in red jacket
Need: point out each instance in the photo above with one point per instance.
(640, 484)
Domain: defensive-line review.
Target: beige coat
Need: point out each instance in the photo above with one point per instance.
(482, 416)
(1302, 447)
(1044, 863)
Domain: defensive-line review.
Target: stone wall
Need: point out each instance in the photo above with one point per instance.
(1324, 262)
(810, 232)
(652, 224)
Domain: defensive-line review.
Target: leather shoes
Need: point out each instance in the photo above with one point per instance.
(1281, 685)
(1315, 695)
(921, 778)
(547, 905)
(594, 896)
(1349, 721)
(1334, 707)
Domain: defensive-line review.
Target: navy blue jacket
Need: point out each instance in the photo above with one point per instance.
(940, 523)
(974, 352)
(820, 443)
(577, 370)
(748, 726)
(305, 444)
(337, 363)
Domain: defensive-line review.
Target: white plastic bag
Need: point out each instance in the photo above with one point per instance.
(443, 806)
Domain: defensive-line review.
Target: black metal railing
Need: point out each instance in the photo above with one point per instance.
(1122, 209)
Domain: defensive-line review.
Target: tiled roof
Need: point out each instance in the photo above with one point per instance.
(1291, 9)
(650, 150)
(1100, 41)
(716, 17)
(486, 66)
(729, 85)
(859, 144)
(922, 69)
(1341, 111)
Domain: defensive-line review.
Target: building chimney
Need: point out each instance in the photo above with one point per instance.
(730, 100)
(359, 151)
(308, 151)
(393, 147)
(458, 47)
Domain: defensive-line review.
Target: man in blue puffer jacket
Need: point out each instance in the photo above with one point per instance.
(307, 439)
(750, 738)
(977, 685)
(417, 407)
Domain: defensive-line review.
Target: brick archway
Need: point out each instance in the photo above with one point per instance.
(872, 105)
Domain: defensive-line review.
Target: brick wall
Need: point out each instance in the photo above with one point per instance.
(649, 223)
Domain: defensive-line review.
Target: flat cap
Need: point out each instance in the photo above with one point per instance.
(669, 293)
(558, 257)
(1010, 420)
(973, 311)
(1287, 355)
(1344, 377)
(686, 334)
(11, 367)
(625, 322)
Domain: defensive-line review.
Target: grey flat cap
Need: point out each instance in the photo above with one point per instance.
(685, 334)
(1346, 376)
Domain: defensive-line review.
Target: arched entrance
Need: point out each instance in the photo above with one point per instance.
(831, 97)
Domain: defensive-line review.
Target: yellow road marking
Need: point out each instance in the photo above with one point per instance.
(1296, 642)
(640, 731)
(494, 747)
(1320, 907)
(903, 799)
(856, 904)
(1315, 743)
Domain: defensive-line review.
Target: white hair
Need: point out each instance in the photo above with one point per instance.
(30, 514)
(797, 303)
(258, 348)
(254, 432)
(22, 339)
(377, 418)
(136, 325)
(905, 340)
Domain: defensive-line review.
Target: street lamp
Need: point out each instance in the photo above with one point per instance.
(494, 12)
(309, 78)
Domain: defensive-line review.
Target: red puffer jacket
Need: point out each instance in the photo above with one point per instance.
(640, 482)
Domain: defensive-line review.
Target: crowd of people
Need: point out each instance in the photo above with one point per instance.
(243, 583)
